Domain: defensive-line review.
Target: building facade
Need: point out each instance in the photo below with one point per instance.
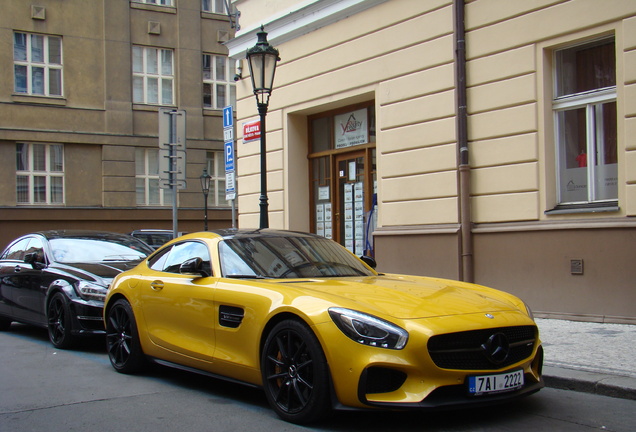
(490, 141)
(80, 103)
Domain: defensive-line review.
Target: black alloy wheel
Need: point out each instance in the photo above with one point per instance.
(295, 373)
(122, 339)
(58, 315)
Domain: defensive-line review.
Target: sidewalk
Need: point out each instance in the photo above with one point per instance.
(589, 357)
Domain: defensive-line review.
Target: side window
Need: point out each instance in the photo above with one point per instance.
(17, 251)
(182, 252)
(158, 261)
(35, 245)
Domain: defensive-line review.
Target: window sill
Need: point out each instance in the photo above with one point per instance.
(207, 111)
(151, 7)
(38, 100)
(604, 207)
(150, 108)
(214, 16)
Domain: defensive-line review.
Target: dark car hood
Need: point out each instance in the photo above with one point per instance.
(100, 272)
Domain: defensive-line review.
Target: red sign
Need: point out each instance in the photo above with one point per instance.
(251, 131)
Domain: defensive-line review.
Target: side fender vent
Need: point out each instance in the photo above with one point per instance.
(230, 316)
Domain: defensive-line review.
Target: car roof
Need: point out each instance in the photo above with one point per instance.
(230, 233)
(74, 233)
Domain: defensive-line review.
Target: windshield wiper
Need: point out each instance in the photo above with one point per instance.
(241, 276)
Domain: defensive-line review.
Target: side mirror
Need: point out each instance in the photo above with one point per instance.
(194, 266)
(369, 261)
(34, 258)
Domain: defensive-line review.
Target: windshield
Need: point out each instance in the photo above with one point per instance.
(287, 257)
(74, 250)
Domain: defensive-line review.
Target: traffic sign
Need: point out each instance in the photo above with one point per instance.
(229, 156)
(230, 186)
(228, 117)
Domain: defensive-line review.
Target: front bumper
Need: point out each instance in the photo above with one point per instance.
(87, 317)
(368, 377)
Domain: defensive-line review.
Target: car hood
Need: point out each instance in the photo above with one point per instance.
(410, 297)
(100, 272)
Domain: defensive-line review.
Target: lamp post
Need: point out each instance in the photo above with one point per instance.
(262, 59)
(205, 187)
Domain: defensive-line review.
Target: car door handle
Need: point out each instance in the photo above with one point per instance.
(156, 285)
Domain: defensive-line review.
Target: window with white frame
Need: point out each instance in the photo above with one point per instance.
(156, 2)
(147, 177)
(37, 64)
(219, 89)
(216, 169)
(39, 173)
(585, 118)
(214, 6)
(153, 76)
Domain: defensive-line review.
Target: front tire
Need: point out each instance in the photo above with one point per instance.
(58, 315)
(122, 339)
(295, 373)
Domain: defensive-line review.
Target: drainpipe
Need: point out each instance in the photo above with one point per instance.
(466, 272)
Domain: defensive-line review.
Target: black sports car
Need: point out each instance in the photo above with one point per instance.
(59, 279)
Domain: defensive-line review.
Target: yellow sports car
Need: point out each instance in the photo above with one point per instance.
(317, 328)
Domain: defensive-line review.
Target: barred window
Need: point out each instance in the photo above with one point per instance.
(39, 173)
(216, 169)
(147, 177)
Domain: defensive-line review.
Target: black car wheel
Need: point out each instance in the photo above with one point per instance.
(122, 338)
(5, 324)
(58, 315)
(295, 373)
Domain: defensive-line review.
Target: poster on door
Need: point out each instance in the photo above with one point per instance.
(323, 214)
(354, 217)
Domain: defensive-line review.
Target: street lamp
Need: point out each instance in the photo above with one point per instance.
(205, 187)
(262, 59)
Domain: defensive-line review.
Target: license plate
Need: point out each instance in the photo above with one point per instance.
(488, 384)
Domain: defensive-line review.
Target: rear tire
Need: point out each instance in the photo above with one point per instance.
(122, 339)
(295, 373)
(5, 324)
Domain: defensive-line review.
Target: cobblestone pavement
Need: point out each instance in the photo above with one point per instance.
(589, 347)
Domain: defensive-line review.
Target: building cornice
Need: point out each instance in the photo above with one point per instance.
(290, 24)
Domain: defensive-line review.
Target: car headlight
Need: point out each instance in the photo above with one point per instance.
(529, 311)
(91, 291)
(369, 330)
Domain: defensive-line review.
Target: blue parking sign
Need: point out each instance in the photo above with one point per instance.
(228, 117)
(229, 156)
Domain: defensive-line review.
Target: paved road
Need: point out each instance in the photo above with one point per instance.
(44, 389)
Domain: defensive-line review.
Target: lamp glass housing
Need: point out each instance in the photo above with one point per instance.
(262, 60)
(205, 181)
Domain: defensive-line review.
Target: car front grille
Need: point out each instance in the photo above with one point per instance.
(485, 349)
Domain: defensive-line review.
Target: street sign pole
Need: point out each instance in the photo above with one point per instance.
(173, 174)
(230, 179)
(172, 156)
